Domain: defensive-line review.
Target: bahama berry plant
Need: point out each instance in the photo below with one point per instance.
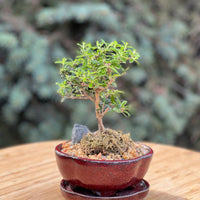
(92, 75)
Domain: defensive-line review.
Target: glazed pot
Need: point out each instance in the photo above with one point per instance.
(102, 175)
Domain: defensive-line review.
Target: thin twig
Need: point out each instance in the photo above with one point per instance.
(105, 111)
(87, 95)
(81, 97)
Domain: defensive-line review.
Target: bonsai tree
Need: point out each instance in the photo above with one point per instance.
(92, 75)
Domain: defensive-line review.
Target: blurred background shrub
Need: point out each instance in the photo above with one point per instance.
(164, 90)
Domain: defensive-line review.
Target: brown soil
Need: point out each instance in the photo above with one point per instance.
(106, 145)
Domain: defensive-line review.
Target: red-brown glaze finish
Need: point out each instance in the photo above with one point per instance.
(102, 175)
(136, 192)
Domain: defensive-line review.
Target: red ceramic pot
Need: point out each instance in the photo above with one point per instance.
(101, 175)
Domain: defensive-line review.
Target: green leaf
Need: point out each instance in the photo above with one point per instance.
(112, 98)
(114, 69)
(126, 113)
(123, 103)
(90, 85)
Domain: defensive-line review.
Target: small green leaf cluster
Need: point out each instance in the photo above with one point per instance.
(95, 70)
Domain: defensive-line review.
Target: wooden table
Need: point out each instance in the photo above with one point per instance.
(30, 172)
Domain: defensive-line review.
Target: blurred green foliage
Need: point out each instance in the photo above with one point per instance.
(165, 90)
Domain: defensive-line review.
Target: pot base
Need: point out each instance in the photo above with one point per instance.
(135, 192)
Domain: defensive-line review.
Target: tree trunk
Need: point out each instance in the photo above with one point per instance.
(100, 124)
(99, 115)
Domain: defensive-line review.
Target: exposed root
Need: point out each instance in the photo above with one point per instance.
(106, 142)
(106, 145)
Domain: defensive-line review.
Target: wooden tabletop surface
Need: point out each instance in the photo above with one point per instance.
(30, 172)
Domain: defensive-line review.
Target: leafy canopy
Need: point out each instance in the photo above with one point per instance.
(92, 75)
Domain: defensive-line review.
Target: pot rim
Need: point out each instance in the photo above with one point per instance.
(60, 153)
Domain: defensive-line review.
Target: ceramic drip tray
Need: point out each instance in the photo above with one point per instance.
(135, 192)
